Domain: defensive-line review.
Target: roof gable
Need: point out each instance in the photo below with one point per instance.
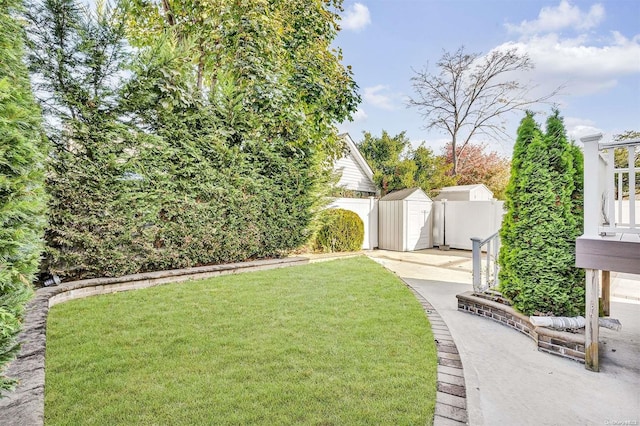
(356, 174)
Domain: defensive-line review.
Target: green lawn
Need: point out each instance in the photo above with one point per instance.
(334, 343)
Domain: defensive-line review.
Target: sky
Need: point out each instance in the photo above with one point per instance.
(592, 48)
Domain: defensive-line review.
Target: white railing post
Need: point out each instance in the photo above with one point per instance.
(632, 186)
(493, 243)
(610, 189)
(592, 207)
(476, 253)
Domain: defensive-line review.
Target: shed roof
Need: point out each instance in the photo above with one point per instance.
(464, 188)
(401, 194)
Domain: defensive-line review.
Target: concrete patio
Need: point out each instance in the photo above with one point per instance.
(507, 380)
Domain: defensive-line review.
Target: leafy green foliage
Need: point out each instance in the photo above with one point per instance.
(22, 198)
(396, 165)
(475, 166)
(340, 230)
(197, 134)
(544, 210)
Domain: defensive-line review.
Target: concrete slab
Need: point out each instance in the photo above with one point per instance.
(508, 381)
(625, 286)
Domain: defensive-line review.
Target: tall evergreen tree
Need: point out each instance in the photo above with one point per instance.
(22, 198)
(527, 132)
(199, 133)
(537, 256)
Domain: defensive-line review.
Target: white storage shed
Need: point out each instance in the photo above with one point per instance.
(478, 192)
(405, 220)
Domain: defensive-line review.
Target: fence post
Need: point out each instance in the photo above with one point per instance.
(476, 253)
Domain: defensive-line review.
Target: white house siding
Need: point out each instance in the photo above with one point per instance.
(367, 209)
(353, 177)
(459, 221)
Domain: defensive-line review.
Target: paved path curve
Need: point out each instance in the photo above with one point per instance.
(507, 380)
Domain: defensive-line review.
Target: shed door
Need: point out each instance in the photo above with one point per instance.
(418, 225)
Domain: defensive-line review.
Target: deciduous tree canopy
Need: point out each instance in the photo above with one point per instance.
(397, 165)
(471, 94)
(477, 166)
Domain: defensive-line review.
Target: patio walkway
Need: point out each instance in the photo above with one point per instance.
(507, 380)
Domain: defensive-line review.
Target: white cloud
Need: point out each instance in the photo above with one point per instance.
(584, 68)
(571, 122)
(579, 127)
(359, 115)
(583, 64)
(356, 17)
(565, 15)
(373, 96)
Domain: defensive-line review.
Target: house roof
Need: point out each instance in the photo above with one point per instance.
(357, 156)
(401, 194)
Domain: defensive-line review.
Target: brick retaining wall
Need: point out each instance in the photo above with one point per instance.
(562, 343)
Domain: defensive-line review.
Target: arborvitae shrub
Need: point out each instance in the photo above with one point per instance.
(543, 219)
(340, 230)
(22, 197)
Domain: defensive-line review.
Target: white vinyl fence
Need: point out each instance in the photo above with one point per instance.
(367, 209)
(456, 222)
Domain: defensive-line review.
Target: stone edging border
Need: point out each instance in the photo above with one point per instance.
(561, 343)
(451, 396)
(25, 405)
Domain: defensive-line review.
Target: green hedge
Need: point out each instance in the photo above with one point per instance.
(150, 170)
(340, 230)
(176, 205)
(22, 198)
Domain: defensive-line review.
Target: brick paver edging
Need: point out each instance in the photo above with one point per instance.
(556, 342)
(25, 405)
(451, 396)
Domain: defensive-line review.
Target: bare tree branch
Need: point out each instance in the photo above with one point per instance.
(471, 93)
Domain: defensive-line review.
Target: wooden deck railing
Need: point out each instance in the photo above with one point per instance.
(609, 213)
(610, 193)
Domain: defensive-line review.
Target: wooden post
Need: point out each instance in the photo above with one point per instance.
(591, 330)
(606, 293)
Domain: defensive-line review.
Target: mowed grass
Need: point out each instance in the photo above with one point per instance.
(334, 343)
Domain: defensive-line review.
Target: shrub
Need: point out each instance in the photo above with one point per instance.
(22, 199)
(150, 169)
(340, 230)
(543, 219)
